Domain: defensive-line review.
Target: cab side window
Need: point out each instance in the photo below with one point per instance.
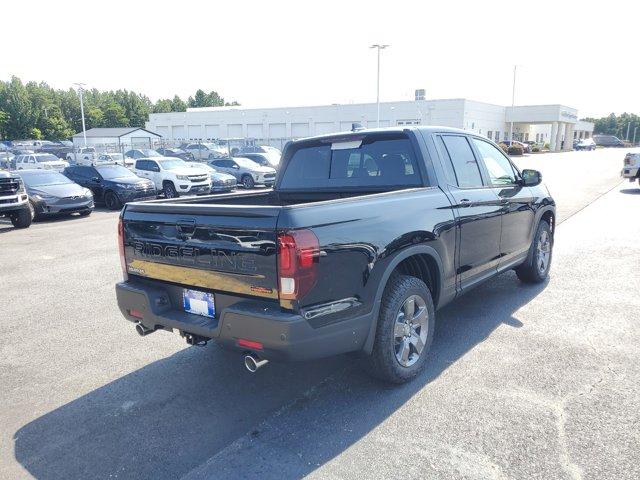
(463, 169)
(500, 170)
(141, 165)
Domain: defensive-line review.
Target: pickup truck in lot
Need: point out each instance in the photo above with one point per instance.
(14, 200)
(364, 236)
(631, 168)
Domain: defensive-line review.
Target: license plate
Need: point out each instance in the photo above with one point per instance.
(198, 303)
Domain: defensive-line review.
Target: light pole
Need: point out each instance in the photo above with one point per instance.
(513, 102)
(634, 135)
(84, 130)
(379, 47)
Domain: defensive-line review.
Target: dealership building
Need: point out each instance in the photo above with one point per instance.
(550, 124)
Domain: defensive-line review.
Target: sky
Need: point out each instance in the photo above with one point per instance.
(291, 53)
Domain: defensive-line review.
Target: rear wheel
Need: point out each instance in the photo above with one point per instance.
(22, 219)
(170, 190)
(111, 201)
(404, 331)
(247, 181)
(536, 268)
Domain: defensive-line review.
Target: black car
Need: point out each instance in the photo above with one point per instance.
(176, 152)
(607, 141)
(113, 185)
(364, 236)
(52, 193)
(59, 149)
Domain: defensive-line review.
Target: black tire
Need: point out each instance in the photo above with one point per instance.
(383, 363)
(247, 181)
(22, 219)
(536, 267)
(169, 190)
(85, 213)
(33, 212)
(111, 201)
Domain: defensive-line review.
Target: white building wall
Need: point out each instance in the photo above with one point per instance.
(270, 124)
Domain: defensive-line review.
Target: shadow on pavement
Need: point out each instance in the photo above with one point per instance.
(631, 191)
(168, 418)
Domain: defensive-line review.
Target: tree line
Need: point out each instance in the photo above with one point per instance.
(617, 125)
(37, 111)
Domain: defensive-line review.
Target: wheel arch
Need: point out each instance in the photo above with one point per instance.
(421, 261)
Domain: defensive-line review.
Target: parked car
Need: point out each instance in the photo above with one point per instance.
(51, 193)
(141, 153)
(113, 185)
(14, 200)
(363, 238)
(607, 141)
(173, 176)
(7, 159)
(247, 172)
(43, 161)
(177, 153)
(526, 148)
(584, 144)
(114, 158)
(264, 159)
(59, 149)
(206, 151)
(631, 168)
(220, 182)
(84, 155)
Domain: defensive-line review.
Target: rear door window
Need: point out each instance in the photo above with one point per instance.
(463, 161)
(377, 162)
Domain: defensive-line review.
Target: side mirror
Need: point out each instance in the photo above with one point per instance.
(236, 167)
(531, 178)
(95, 179)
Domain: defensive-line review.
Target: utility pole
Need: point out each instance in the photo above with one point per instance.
(379, 47)
(628, 127)
(84, 130)
(634, 135)
(513, 102)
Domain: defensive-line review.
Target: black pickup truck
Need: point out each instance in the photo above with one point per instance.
(364, 236)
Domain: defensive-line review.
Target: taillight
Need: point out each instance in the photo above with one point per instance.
(298, 253)
(123, 263)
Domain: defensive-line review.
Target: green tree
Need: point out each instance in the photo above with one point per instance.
(4, 119)
(163, 106)
(15, 102)
(115, 116)
(35, 133)
(177, 105)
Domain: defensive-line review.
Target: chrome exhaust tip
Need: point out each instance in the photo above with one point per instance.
(142, 330)
(253, 362)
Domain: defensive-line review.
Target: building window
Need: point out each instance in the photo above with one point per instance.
(408, 122)
(496, 137)
(490, 135)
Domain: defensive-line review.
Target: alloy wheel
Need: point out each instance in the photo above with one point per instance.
(543, 251)
(410, 330)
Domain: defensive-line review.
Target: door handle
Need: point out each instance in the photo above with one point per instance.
(464, 202)
(504, 201)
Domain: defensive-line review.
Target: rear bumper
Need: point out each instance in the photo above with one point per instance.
(630, 172)
(285, 336)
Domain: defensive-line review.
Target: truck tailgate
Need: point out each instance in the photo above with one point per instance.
(228, 249)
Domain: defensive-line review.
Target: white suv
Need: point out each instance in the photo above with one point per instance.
(40, 161)
(173, 176)
(631, 169)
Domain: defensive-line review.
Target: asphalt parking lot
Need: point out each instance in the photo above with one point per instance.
(522, 382)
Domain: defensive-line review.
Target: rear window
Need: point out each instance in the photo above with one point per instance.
(376, 162)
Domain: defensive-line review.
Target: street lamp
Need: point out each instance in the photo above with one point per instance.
(513, 102)
(378, 47)
(84, 130)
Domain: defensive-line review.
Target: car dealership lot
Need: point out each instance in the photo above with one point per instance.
(522, 382)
